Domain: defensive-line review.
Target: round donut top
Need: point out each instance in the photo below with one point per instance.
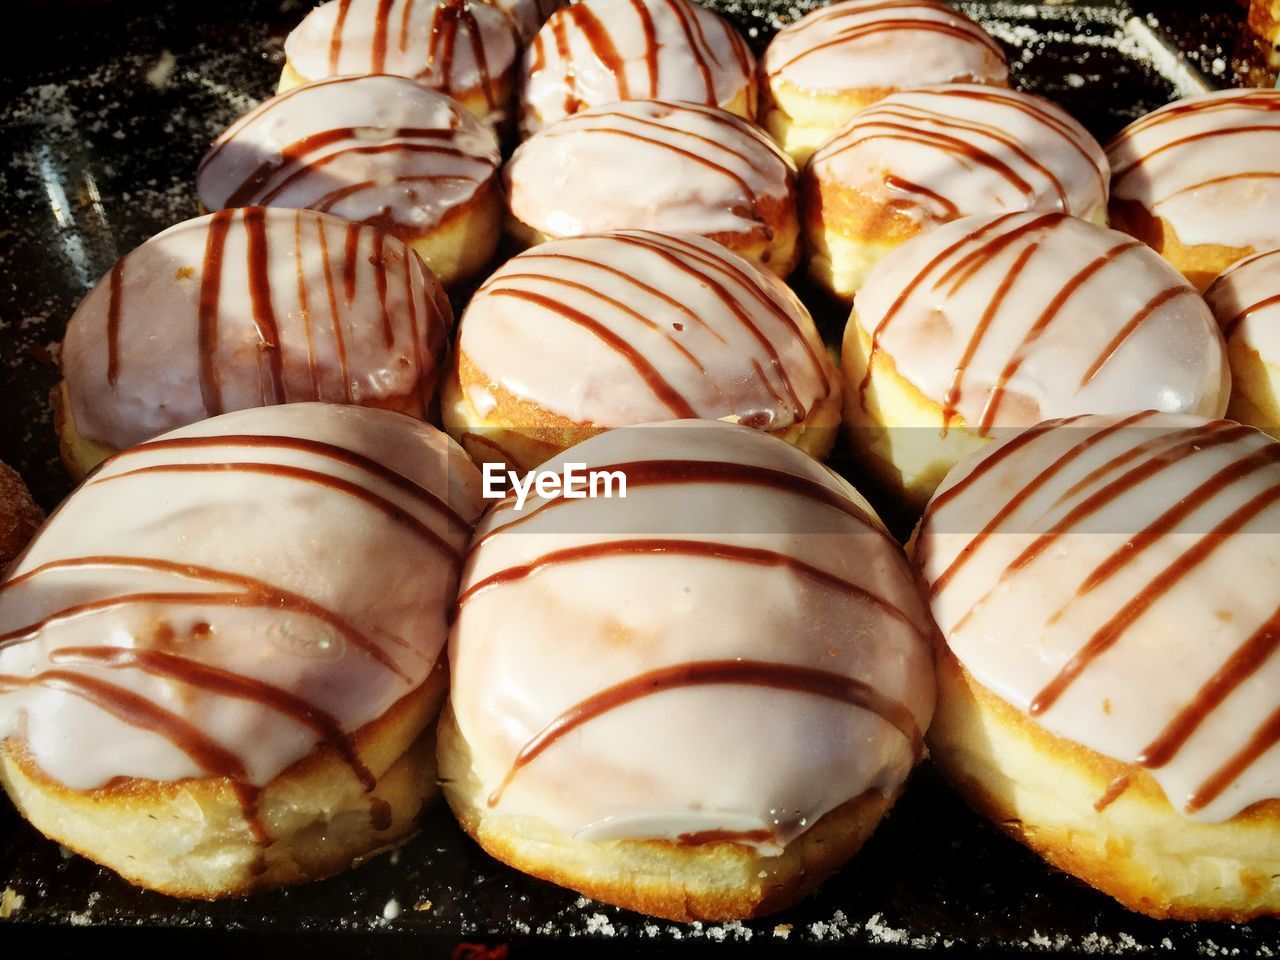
(939, 153)
(1246, 301)
(608, 652)
(599, 51)
(659, 326)
(1209, 165)
(374, 149)
(1115, 577)
(882, 45)
(454, 46)
(678, 167)
(250, 307)
(220, 601)
(1018, 318)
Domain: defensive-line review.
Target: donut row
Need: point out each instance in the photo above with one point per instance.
(281, 608)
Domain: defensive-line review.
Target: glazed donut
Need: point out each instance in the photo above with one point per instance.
(19, 515)
(702, 711)
(577, 336)
(1000, 322)
(220, 661)
(1199, 180)
(244, 308)
(924, 157)
(374, 149)
(465, 49)
(1246, 301)
(834, 61)
(595, 52)
(671, 167)
(1104, 587)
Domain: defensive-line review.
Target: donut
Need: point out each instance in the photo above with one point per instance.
(1246, 302)
(221, 660)
(1106, 678)
(576, 336)
(19, 515)
(822, 69)
(1199, 180)
(696, 701)
(594, 52)
(657, 165)
(987, 324)
(244, 308)
(380, 150)
(467, 50)
(923, 157)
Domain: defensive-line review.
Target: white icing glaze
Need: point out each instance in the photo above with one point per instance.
(882, 45)
(179, 330)
(646, 163)
(949, 151)
(1014, 319)
(454, 46)
(527, 16)
(356, 548)
(696, 331)
(375, 149)
(599, 51)
(1246, 301)
(526, 650)
(1209, 165)
(1113, 568)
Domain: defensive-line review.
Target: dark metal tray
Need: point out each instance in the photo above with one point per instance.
(97, 152)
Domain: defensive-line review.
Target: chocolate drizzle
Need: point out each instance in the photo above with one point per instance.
(115, 282)
(700, 549)
(207, 314)
(756, 673)
(252, 591)
(381, 504)
(264, 318)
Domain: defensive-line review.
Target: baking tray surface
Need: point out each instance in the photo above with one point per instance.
(97, 153)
